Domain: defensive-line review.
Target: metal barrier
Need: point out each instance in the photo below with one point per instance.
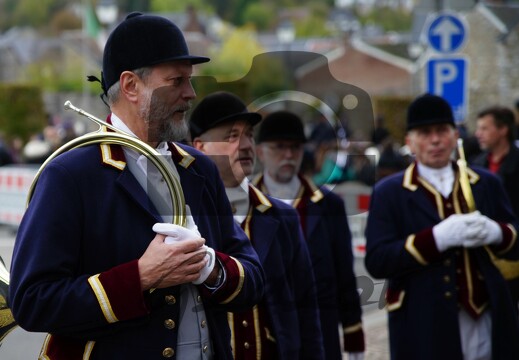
(357, 227)
(356, 197)
(15, 181)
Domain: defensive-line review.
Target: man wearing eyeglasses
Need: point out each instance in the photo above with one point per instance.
(323, 218)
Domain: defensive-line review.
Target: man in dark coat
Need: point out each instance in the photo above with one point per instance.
(285, 324)
(495, 133)
(446, 299)
(97, 262)
(325, 226)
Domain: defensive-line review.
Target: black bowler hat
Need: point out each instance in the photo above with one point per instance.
(281, 125)
(218, 108)
(429, 109)
(143, 40)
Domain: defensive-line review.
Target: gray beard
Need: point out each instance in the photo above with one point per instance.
(168, 130)
(177, 131)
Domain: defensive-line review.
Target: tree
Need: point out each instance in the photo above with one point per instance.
(259, 15)
(234, 58)
(29, 12)
(390, 19)
(179, 5)
(22, 112)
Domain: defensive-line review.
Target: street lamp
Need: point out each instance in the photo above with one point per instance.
(106, 11)
(286, 33)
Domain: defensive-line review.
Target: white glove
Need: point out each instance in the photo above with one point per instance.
(356, 356)
(455, 229)
(176, 232)
(489, 233)
(179, 233)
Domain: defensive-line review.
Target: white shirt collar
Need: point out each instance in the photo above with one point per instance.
(239, 198)
(442, 179)
(162, 147)
(286, 192)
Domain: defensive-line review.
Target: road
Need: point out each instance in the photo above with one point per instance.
(22, 345)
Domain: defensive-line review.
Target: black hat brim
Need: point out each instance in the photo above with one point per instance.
(250, 117)
(430, 122)
(191, 58)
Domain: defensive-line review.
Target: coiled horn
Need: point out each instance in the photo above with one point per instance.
(101, 136)
(119, 137)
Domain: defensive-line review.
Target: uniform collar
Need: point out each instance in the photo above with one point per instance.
(412, 179)
(113, 155)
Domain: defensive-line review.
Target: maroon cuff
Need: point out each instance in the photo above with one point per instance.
(231, 287)
(425, 247)
(509, 239)
(123, 289)
(354, 341)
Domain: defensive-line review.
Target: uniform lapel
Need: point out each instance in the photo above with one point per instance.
(113, 156)
(313, 196)
(418, 198)
(191, 182)
(264, 228)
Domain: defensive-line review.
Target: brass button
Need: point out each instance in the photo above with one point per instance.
(448, 205)
(245, 323)
(447, 262)
(246, 345)
(168, 352)
(458, 271)
(198, 298)
(448, 294)
(446, 279)
(203, 323)
(170, 299)
(169, 324)
(205, 348)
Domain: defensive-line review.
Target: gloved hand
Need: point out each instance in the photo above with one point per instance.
(455, 229)
(489, 233)
(355, 356)
(179, 233)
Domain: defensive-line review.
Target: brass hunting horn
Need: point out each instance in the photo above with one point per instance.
(101, 136)
(508, 268)
(119, 137)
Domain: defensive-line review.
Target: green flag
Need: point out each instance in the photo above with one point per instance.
(91, 25)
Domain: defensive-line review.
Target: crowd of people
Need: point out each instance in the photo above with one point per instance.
(262, 266)
(39, 145)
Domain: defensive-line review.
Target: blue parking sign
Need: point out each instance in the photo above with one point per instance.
(447, 77)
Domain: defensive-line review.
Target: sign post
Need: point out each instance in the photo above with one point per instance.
(446, 71)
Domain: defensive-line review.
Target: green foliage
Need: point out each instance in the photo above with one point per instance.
(259, 15)
(225, 9)
(179, 5)
(231, 68)
(390, 19)
(30, 12)
(261, 85)
(49, 76)
(233, 60)
(22, 111)
(126, 6)
(64, 20)
(312, 26)
(393, 109)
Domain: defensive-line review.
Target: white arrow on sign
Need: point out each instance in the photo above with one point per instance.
(446, 29)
